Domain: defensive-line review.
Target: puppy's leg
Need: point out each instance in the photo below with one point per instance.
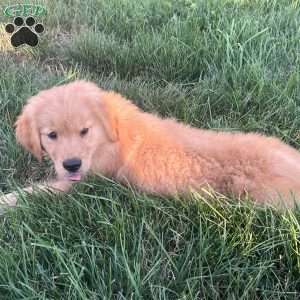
(54, 187)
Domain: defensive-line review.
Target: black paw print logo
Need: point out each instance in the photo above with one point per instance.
(24, 32)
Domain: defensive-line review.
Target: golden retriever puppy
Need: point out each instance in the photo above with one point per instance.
(84, 129)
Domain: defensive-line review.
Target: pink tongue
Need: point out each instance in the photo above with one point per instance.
(74, 176)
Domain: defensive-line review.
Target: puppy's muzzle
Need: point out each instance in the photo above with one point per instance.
(72, 164)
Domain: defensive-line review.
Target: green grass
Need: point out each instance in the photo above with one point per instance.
(231, 65)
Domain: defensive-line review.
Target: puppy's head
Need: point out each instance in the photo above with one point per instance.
(69, 123)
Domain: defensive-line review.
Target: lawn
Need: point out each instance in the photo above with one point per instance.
(223, 64)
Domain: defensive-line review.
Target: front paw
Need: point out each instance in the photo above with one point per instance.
(8, 199)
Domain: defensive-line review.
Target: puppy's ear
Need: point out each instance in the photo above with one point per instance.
(27, 133)
(108, 121)
(114, 111)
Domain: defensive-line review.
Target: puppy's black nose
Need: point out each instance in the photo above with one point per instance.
(72, 164)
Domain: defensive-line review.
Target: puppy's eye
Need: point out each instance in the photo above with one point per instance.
(84, 131)
(52, 135)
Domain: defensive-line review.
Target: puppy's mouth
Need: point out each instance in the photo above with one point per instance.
(73, 176)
